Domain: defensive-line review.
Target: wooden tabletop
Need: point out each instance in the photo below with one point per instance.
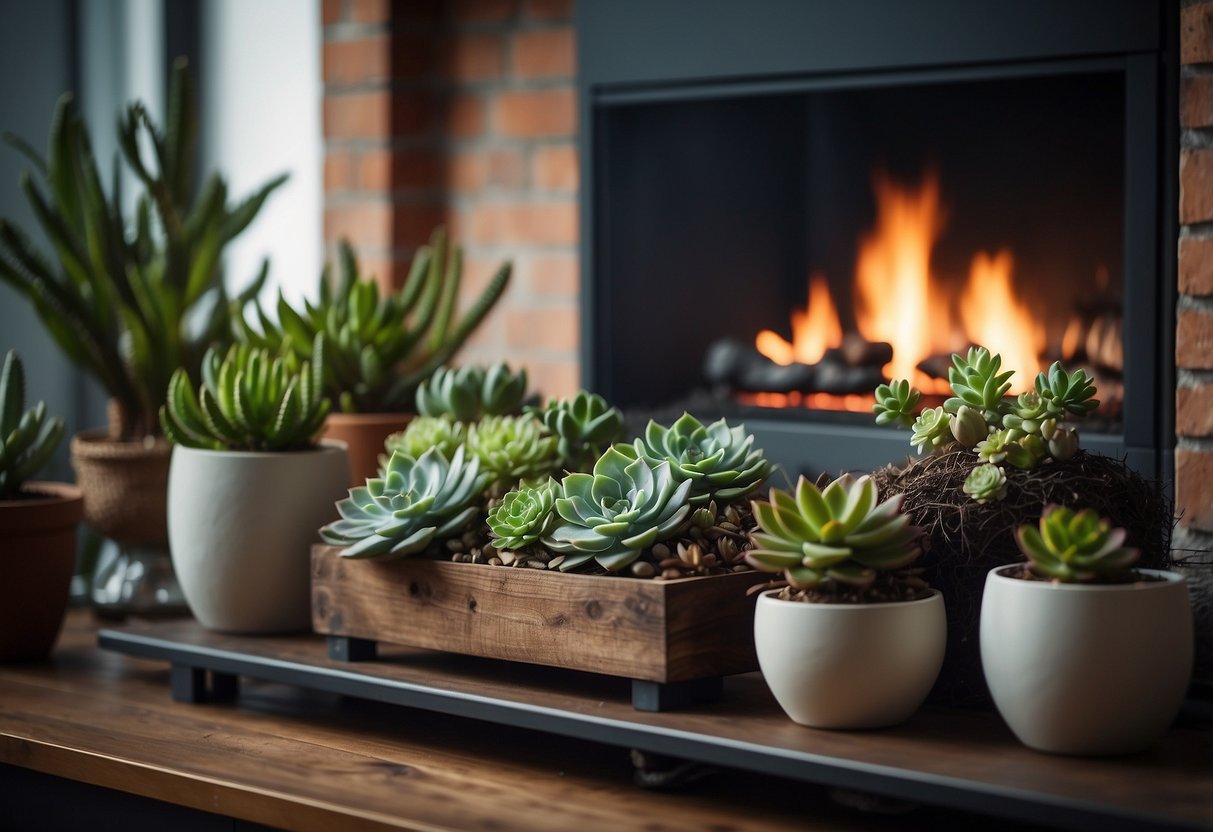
(287, 757)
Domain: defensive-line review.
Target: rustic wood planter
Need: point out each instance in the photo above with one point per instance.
(674, 639)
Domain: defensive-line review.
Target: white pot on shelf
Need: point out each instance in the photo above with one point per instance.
(1086, 668)
(241, 525)
(850, 665)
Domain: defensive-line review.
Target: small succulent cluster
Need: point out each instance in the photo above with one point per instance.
(512, 448)
(472, 392)
(1075, 547)
(27, 437)
(249, 400)
(1021, 432)
(423, 433)
(381, 347)
(584, 426)
(834, 540)
(415, 502)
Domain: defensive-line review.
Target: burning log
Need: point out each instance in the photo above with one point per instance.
(857, 351)
(740, 367)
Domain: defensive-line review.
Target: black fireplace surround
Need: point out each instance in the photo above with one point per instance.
(727, 149)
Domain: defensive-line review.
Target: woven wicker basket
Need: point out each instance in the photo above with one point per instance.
(125, 486)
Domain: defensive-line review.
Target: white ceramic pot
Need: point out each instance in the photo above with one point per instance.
(850, 665)
(241, 526)
(1077, 669)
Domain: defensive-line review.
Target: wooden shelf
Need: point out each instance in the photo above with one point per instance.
(963, 761)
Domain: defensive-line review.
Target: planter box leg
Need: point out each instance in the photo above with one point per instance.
(188, 684)
(351, 649)
(225, 687)
(658, 696)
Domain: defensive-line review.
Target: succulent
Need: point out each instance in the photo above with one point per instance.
(986, 483)
(1004, 445)
(512, 448)
(584, 426)
(719, 461)
(837, 534)
(382, 347)
(423, 433)
(471, 392)
(1028, 414)
(611, 515)
(968, 426)
(1074, 546)
(27, 437)
(415, 502)
(1064, 392)
(977, 382)
(932, 429)
(1062, 443)
(895, 403)
(249, 400)
(129, 298)
(523, 515)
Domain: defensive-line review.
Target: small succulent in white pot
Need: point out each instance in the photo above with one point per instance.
(856, 639)
(1082, 652)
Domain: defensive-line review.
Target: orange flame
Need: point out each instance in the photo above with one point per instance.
(996, 319)
(814, 329)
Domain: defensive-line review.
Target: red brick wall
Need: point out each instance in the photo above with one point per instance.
(462, 113)
(1194, 324)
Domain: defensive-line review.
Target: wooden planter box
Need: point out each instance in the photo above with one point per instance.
(673, 639)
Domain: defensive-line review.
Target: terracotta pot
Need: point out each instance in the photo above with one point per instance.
(241, 527)
(364, 435)
(124, 486)
(37, 553)
(1084, 668)
(850, 665)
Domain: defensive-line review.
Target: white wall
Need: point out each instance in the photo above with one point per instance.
(261, 104)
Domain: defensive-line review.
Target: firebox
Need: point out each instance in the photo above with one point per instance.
(786, 202)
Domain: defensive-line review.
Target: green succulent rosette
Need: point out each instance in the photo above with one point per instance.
(932, 430)
(610, 516)
(976, 381)
(512, 448)
(986, 483)
(1064, 392)
(423, 433)
(584, 426)
(895, 403)
(1073, 547)
(416, 502)
(718, 460)
(524, 514)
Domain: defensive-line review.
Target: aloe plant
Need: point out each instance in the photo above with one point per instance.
(1074, 547)
(625, 506)
(471, 392)
(382, 347)
(27, 437)
(524, 514)
(719, 460)
(584, 426)
(249, 400)
(414, 503)
(129, 298)
(839, 534)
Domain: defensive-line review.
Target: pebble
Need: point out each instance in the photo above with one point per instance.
(671, 573)
(555, 562)
(643, 569)
(495, 561)
(534, 563)
(508, 558)
(455, 544)
(661, 551)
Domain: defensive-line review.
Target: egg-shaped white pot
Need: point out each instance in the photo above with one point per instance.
(850, 665)
(241, 525)
(1086, 669)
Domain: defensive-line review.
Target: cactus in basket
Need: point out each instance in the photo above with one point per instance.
(468, 393)
(584, 426)
(27, 437)
(249, 400)
(839, 535)
(608, 517)
(523, 515)
(718, 460)
(423, 433)
(129, 298)
(382, 347)
(415, 502)
(1075, 547)
(512, 448)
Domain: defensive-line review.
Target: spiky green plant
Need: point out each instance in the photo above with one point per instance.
(523, 515)
(610, 516)
(719, 460)
(382, 346)
(976, 381)
(512, 448)
(986, 483)
(584, 427)
(423, 433)
(249, 400)
(129, 298)
(839, 534)
(416, 502)
(1071, 547)
(896, 403)
(27, 437)
(1064, 392)
(471, 392)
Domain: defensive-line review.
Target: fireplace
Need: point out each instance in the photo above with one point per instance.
(906, 178)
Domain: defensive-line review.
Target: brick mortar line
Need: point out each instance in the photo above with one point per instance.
(457, 201)
(1194, 303)
(439, 142)
(488, 251)
(1195, 70)
(1196, 138)
(1194, 541)
(1190, 443)
(1193, 379)
(438, 84)
(1199, 230)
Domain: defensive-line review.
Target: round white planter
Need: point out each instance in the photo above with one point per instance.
(850, 665)
(1077, 669)
(241, 525)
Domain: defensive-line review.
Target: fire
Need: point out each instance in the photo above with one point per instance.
(814, 329)
(899, 300)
